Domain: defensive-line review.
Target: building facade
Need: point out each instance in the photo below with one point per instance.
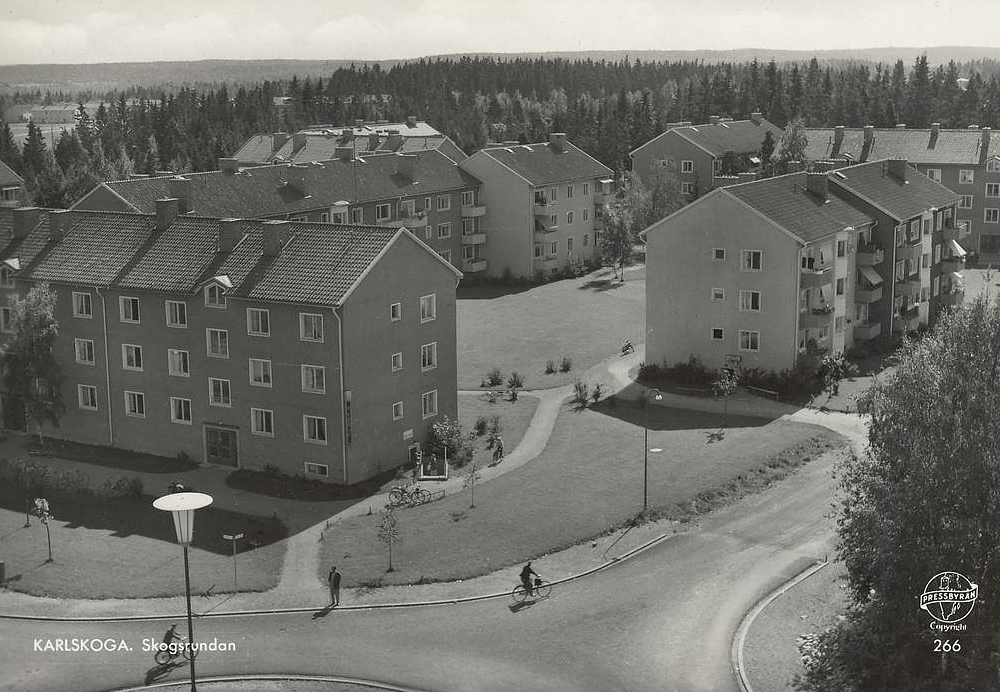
(11, 187)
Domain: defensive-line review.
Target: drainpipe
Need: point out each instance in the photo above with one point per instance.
(107, 366)
(340, 374)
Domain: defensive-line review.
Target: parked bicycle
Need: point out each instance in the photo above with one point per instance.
(171, 652)
(400, 495)
(541, 589)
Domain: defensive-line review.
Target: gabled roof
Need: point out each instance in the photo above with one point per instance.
(738, 136)
(543, 164)
(263, 191)
(8, 178)
(917, 146)
(902, 199)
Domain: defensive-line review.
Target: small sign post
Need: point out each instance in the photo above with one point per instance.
(235, 537)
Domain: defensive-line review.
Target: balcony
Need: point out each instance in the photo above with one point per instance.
(473, 211)
(909, 252)
(473, 238)
(952, 264)
(474, 265)
(417, 220)
(908, 321)
(816, 318)
(814, 276)
(865, 331)
(956, 230)
(542, 207)
(908, 284)
(868, 295)
(869, 255)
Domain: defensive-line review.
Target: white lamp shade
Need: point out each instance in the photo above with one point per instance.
(182, 507)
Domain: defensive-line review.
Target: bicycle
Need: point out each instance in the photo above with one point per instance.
(407, 495)
(174, 650)
(542, 590)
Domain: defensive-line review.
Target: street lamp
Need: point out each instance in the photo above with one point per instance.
(656, 396)
(182, 507)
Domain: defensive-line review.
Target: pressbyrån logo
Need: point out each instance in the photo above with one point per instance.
(949, 597)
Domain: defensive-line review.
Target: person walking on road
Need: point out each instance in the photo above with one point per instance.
(334, 580)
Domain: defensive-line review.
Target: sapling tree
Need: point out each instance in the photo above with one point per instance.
(388, 530)
(41, 510)
(725, 385)
(470, 482)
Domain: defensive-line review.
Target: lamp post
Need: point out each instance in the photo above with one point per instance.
(656, 396)
(182, 507)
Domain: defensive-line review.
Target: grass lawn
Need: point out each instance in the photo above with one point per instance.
(123, 548)
(584, 319)
(588, 479)
(514, 420)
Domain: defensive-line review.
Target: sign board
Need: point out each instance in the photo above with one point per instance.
(235, 537)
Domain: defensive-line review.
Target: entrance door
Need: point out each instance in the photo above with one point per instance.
(220, 446)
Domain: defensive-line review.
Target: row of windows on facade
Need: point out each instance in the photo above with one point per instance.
(178, 361)
(469, 227)
(553, 245)
(570, 217)
(552, 194)
(966, 176)
(261, 420)
(405, 209)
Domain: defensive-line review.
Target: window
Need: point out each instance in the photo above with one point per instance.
(176, 314)
(7, 319)
(397, 362)
(84, 351)
(214, 297)
(554, 248)
(838, 324)
(993, 165)
(586, 214)
(86, 395)
(177, 363)
(81, 305)
(469, 253)
(468, 226)
(310, 326)
(217, 342)
(569, 217)
(718, 294)
(135, 404)
(569, 244)
(395, 312)
(260, 372)
(314, 379)
(749, 341)
(925, 260)
(539, 250)
(717, 166)
(993, 189)
(991, 215)
(719, 254)
(717, 334)
(314, 469)
(262, 422)
(840, 286)
(468, 198)
(428, 307)
(687, 166)
(397, 410)
(841, 248)
(6, 277)
(428, 232)
(687, 188)
(219, 392)
(927, 226)
(444, 230)
(586, 236)
(180, 410)
(357, 215)
(428, 356)
(966, 176)
(553, 194)
(324, 217)
(586, 189)
(443, 202)
(258, 322)
(340, 217)
(382, 212)
(750, 260)
(965, 202)
(934, 174)
(569, 192)
(553, 220)
(937, 253)
(129, 309)
(749, 301)
(131, 357)
(429, 404)
(314, 429)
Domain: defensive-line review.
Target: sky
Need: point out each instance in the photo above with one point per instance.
(88, 31)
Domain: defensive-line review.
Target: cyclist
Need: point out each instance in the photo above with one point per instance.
(498, 450)
(526, 575)
(169, 637)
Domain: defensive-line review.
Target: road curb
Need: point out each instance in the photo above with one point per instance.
(183, 684)
(739, 639)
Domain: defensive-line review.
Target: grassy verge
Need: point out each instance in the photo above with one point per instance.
(588, 479)
(515, 417)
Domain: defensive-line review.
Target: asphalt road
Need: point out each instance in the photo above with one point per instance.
(662, 621)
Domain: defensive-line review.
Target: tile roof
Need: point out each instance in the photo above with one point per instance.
(739, 136)
(901, 198)
(8, 177)
(262, 191)
(916, 146)
(787, 202)
(542, 164)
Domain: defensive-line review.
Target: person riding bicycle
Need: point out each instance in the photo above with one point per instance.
(169, 637)
(526, 575)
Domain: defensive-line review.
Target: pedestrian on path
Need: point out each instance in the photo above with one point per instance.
(498, 450)
(334, 580)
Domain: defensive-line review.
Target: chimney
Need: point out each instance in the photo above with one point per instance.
(713, 120)
(343, 153)
(394, 140)
(816, 184)
(278, 140)
(411, 121)
(406, 166)
(298, 141)
(230, 233)
(25, 219)
(180, 188)
(297, 178)
(756, 117)
(228, 166)
(838, 136)
(935, 128)
(897, 168)
(557, 140)
(986, 141)
(166, 212)
(275, 235)
(60, 221)
(373, 141)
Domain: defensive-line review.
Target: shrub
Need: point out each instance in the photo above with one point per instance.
(581, 394)
(480, 427)
(446, 440)
(550, 367)
(597, 392)
(566, 364)
(514, 383)
(494, 378)
(491, 396)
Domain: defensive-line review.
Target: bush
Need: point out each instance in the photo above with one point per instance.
(494, 378)
(120, 486)
(598, 392)
(480, 427)
(550, 367)
(446, 437)
(566, 364)
(581, 394)
(491, 396)
(514, 383)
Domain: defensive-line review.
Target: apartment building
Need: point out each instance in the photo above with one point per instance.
(966, 161)
(546, 203)
(320, 142)
(425, 192)
(11, 187)
(324, 350)
(694, 153)
(753, 275)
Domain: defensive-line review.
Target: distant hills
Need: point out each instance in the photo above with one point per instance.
(172, 75)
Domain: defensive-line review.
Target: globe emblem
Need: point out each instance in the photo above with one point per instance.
(949, 597)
